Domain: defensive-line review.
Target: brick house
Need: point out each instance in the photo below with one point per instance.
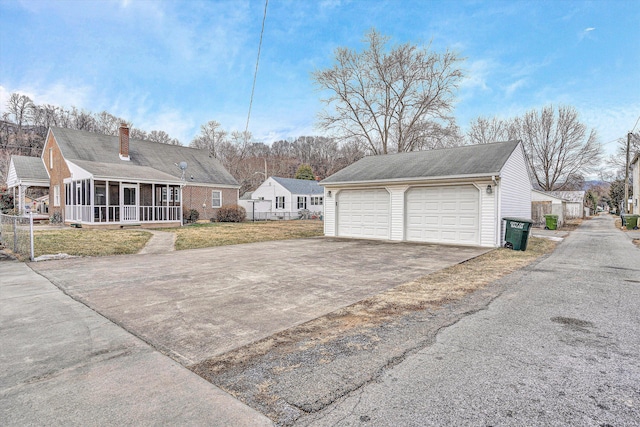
(104, 180)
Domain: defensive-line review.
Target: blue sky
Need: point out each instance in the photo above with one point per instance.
(174, 65)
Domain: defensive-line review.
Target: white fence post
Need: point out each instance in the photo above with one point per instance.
(31, 234)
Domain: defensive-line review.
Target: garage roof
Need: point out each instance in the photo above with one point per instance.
(468, 160)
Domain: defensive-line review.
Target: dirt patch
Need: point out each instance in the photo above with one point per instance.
(636, 242)
(303, 369)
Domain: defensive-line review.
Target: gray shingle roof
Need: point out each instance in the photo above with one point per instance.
(102, 151)
(30, 168)
(468, 160)
(299, 186)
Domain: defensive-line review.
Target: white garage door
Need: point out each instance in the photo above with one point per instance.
(443, 214)
(363, 213)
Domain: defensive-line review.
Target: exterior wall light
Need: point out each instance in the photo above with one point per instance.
(489, 189)
(329, 193)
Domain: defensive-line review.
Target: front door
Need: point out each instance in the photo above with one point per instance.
(129, 202)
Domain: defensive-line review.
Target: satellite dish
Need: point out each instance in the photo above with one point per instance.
(183, 165)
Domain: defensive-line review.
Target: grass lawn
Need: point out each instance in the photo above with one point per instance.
(204, 235)
(87, 242)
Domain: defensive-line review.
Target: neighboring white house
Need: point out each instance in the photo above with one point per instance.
(558, 206)
(575, 202)
(25, 172)
(454, 195)
(285, 198)
(635, 174)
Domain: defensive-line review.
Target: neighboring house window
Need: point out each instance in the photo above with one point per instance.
(302, 202)
(50, 158)
(316, 201)
(56, 195)
(280, 202)
(216, 199)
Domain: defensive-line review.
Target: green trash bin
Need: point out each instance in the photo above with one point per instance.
(631, 222)
(516, 233)
(551, 222)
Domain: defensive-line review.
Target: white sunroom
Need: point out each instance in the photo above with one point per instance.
(97, 193)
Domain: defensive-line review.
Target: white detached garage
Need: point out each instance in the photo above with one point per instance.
(453, 196)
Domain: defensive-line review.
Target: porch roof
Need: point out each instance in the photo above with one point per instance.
(126, 172)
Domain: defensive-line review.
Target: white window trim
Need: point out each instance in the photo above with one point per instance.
(302, 199)
(56, 195)
(212, 198)
(50, 158)
(278, 206)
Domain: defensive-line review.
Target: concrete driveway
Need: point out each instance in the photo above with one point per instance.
(196, 304)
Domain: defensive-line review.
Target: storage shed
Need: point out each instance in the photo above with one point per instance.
(453, 196)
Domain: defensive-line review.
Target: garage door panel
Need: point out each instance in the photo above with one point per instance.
(363, 213)
(443, 214)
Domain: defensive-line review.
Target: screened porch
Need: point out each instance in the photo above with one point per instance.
(120, 202)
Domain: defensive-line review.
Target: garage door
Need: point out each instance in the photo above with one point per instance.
(363, 213)
(443, 215)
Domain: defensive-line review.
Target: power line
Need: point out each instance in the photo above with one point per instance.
(255, 74)
(634, 126)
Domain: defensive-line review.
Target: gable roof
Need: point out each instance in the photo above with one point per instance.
(299, 186)
(468, 160)
(99, 155)
(30, 168)
(569, 196)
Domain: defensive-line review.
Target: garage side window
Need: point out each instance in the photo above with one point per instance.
(280, 202)
(302, 202)
(216, 199)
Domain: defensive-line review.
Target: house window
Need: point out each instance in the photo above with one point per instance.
(216, 199)
(280, 202)
(302, 202)
(50, 158)
(56, 195)
(316, 201)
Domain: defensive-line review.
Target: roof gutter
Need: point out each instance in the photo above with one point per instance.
(489, 175)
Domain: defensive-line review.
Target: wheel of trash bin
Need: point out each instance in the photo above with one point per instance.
(508, 245)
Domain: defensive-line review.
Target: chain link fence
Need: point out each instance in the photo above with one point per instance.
(16, 234)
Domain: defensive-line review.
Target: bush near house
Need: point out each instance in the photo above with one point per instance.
(233, 213)
(191, 215)
(6, 201)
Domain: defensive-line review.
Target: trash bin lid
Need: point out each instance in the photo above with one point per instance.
(518, 219)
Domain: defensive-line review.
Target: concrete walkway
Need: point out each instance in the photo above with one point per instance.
(160, 243)
(61, 363)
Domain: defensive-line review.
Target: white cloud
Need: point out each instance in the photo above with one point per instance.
(510, 89)
(585, 33)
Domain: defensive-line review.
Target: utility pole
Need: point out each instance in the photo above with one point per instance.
(626, 176)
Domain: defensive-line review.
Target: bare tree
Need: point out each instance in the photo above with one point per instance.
(210, 138)
(390, 100)
(483, 130)
(558, 145)
(162, 137)
(18, 107)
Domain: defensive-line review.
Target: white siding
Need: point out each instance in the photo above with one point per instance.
(397, 211)
(488, 213)
(330, 212)
(636, 186)
(12, 177)
(515, 186)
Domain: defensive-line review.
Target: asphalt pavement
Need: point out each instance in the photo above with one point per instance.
(558, 347)
(62, 363)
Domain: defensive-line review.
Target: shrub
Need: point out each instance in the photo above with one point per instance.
(56, 218)
(191, 215)
(232, 213)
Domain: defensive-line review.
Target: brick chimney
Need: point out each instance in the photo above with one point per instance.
(123, 133)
